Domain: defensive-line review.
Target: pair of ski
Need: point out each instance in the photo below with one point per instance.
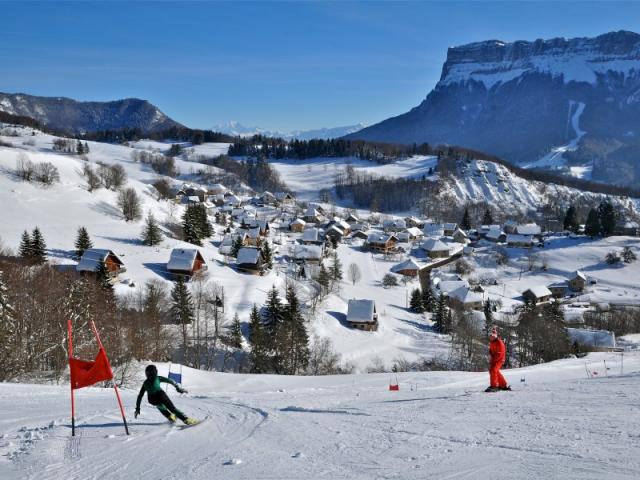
(497, 389)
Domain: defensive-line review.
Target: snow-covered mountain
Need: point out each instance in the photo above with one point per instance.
(517, 100)
(68, 115)
(237, 129)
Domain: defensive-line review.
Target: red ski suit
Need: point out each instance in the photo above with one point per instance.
(498, 353)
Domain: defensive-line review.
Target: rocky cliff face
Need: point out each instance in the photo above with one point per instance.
(519, 100)
(71, 116)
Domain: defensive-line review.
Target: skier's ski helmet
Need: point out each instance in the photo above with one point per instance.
(151, 371)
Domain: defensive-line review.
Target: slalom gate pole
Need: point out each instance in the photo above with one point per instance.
(115, 387)
(73, 402)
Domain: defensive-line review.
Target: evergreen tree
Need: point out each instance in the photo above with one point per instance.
(25, 250)
(440, 315)
(415, 304)
(607, 218)
(267, 254)
(182, 307)
(38, 246)
(592, 227)
(236, 246)
(83, 242)
(571, 223)
(292, 337)
(465, 224)
(151, 235)
(103, 277)
(628, 255)
(487, 218)
(428, 302)
(259, 355)
(324, 279)
(488, 316)
(235, 333)
(203, 225)
(336, 268)
(273, 315)
(190, 226)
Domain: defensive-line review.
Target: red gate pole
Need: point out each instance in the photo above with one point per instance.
(73, 402)
(115, 387)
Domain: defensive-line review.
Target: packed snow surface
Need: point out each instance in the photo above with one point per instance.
(556, 423)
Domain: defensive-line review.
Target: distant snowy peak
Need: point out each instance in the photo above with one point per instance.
(72, 116)
(577, 59)
(237, 129)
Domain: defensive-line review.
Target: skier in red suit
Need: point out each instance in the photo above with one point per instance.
(497, 351)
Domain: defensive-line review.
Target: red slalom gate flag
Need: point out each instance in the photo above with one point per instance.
(85, 373)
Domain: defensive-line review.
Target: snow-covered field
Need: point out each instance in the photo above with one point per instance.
(556, 424)
(307, 177)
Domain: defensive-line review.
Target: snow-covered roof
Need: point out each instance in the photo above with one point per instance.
(298, 221)
(434, 229)
(93, 257)
(592, 338)
(360, 311)
(311, 212)
(283, 195)
(434, 245)
(394, 222)
(447, 286)
(459, 232)
(307, 252)
(516, 238)
(182, 259)
(465, 295)
(408, 264)
(539, 291)
(377, 237)
(335, 228)
(311, 235)
(579, 274)
(529, 229)
(414, 231)
(248, 255)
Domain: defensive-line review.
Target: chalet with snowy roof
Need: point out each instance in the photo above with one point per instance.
(435, 230)
(436, 248)
(93, 258)
(558, 289)
(578, 281)
(216, 188)
(362, 315)
(352, 218)
(307, 253)
(394, 225)
(297, 225)
(628, 228)
(359, 234)
(312, 215)
(495, 235)
(460, 237)
(186, 262)
(537, 294)
(189, 199)
(335, 233)
(312, 236)
(414, 233)
(445, 287)
(531, 229)
(268, 198)
(341, 224)
(414, 222)
(465, 298)
(382, 242)
(232, 201)
(285, 198)
(250, 260)
(408, 268)
(361, 226)
(520, 241)
(254, 238)
(189, 190)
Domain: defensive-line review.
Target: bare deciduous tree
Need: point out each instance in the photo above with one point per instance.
(129, 204)
(354, 273)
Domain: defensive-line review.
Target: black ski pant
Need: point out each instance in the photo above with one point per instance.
(162, 401)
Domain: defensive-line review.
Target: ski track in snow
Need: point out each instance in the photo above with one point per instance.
(557, 424)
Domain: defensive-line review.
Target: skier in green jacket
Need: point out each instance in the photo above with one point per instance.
(159, 398)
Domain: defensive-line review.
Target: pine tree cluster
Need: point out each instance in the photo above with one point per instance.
(195, 224)
(33, 247)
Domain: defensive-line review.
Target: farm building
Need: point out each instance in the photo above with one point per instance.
(537, 294)
(408, 268)
(361, 314)
(92, 258)
(436, 248)
(186, 261)
(250, 260)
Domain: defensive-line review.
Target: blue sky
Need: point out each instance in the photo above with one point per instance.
(278, 65)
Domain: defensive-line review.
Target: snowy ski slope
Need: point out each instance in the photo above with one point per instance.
(557, 424)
